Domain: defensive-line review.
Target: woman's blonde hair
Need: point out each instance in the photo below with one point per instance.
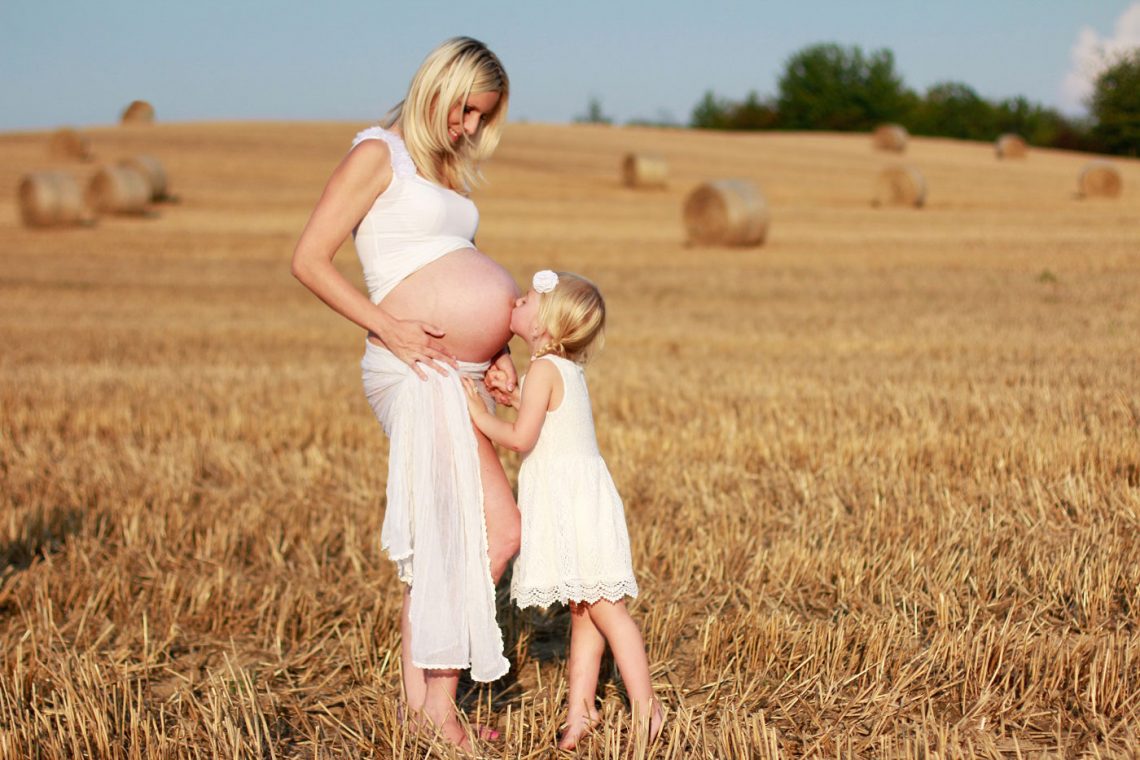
(451, 73)
(574, 315)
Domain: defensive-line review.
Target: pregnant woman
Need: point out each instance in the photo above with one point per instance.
(438, 310)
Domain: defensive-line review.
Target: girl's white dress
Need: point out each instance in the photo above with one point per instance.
(575, 547)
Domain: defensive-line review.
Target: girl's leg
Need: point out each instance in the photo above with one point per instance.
(499, 509)
(624, 637)
(587, 645)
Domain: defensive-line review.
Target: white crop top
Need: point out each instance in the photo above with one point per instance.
(411, 224)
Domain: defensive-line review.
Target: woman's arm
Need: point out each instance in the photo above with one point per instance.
(354, 186)
(520, 435)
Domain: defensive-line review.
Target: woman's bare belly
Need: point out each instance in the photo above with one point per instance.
(465, 294)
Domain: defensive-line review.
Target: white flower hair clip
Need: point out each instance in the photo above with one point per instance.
(545, 281)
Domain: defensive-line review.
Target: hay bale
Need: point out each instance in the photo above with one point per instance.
(1010, 146)
(53, 199)
(891, 137)
(118, 190)
(138, 112)
(150, 168)
(1100, 179)
(900, 186)
(726, 212)
(644, 170)
(67, 143)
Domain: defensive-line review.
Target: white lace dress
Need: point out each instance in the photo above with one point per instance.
(575, 547)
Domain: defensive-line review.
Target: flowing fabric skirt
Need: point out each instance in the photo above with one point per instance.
(434, 527)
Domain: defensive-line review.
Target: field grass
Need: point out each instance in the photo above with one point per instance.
(882, 474)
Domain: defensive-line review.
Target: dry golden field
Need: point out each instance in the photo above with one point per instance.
(882, 474)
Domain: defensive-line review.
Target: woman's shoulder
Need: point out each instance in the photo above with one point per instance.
(387, 147)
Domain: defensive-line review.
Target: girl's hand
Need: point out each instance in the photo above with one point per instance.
(497, 382)
(475, 403)
(414, 342)
(502, 381)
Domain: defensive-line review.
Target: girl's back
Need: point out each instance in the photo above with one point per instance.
(568, 430)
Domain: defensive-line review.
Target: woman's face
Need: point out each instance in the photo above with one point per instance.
(467, 121)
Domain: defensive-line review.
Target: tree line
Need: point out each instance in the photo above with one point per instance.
(831, 87)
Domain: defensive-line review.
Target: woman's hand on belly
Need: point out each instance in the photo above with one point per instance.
(414, 342)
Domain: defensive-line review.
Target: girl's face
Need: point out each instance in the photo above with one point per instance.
(467, 120)
(524, 317)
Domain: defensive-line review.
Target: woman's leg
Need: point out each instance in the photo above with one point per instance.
(415, 687)
(587, 645)
(432, 692)
(624, 637)
(499, 509)
(439, 704)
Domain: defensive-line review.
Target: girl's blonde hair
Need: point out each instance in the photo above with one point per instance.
(451, 73)
(574, 315)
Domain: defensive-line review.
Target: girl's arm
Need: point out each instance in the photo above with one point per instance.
(354, 186)
(541, 381)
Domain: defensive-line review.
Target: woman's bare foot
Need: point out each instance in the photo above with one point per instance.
(446, 727)
(577, 725)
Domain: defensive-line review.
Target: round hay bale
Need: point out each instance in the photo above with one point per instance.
(1010, 146)
(891, 137)
(118, 190)
(150, 168)
(138, 112)
(70, 144)
(52, 199)
(900, 186)
(726, 212)
(644, 170)
(1100, 179)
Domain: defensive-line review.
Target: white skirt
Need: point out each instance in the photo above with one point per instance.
(434, 528)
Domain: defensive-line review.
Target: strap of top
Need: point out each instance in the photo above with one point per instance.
(402, 164)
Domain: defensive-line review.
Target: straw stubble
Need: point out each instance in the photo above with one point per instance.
(882, 481)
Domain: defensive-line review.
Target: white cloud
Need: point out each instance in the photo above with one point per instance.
(1091, 54)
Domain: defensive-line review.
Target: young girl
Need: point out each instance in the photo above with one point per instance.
(575, 548)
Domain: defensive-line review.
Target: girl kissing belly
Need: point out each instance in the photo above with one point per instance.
(465, 294)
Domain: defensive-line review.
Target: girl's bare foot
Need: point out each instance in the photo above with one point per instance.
(656, 720)
(577, 725)
(649, 724)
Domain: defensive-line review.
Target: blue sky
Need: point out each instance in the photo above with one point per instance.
(79, 63)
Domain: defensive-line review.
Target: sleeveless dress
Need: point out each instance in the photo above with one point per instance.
(575, 546)
(434, 526)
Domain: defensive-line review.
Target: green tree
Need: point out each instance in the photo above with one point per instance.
(831, 87)
(753, 113)
(594, 114)
(953, 109)
(720, 113)
(1115, 106)
(711, 112)
(1037, 124)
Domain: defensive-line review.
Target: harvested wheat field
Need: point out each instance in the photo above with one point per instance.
(882, 473)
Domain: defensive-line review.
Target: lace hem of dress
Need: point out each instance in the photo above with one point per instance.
(402, 164)
(611, 591)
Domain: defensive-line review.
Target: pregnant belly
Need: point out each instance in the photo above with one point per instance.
(464, 293)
